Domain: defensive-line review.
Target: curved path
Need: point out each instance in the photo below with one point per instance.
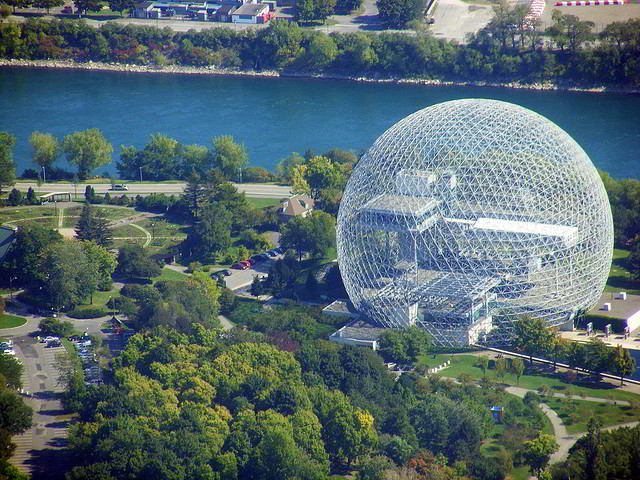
(566, 441)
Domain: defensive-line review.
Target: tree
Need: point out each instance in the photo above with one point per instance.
(15, 197)
(121, 5)
(623, 362)
(531, 336)
(54, 326)
(194, 193)
(314, 234)
(23, 258)
(323, 174)
(398, 13)
(404, 345)
(48, 4)
(501, 367)
(104, 263)
(68, 276)
(94, 227)
(537, 452)
(346, 6)
(85, 6)
(10, 371)
(17, 4)
(211, 235)
(134, 262)
(45, 149)
(230, 157)
(7, 165)
(517, 367)
(321, 52)
(256, 286)
(87, 149)
(89, 194)
(159, 160)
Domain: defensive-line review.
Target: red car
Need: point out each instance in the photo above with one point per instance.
(248, 263)
(240, 266)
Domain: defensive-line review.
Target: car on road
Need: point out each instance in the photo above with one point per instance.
(119, 187)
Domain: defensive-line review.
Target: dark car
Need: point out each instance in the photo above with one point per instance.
(256, 259)
(221, 273)
(240, 266)
(272, 253)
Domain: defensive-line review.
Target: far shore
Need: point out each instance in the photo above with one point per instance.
(211, 70)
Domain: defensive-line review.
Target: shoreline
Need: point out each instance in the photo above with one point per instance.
(187, 70)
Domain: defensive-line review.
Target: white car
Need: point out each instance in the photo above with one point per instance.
(9, 351)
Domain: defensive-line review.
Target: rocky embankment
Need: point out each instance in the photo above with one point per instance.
(213, 70)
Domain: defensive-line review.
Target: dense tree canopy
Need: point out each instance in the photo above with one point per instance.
(7, 165)
(87, 150)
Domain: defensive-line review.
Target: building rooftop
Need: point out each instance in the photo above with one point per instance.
(359, 330)
(7, 235)
(622, 309)
(251, 9)
(298, 204)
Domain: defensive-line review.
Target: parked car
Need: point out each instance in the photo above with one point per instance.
(245, 262)
(221, 273)
(240, 266)
(272, 253)
(257, 259)
(68, 9)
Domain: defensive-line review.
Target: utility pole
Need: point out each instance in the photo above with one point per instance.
(44, 174)
(140, 174)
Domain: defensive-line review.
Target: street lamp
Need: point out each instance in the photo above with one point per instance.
(44, 174)
(140, 174)
(153, 231)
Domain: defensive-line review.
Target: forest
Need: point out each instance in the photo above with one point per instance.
(503, 51)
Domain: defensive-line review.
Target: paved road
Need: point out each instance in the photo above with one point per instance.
(253, 190)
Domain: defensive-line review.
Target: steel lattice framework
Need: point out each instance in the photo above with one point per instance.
(470, 214)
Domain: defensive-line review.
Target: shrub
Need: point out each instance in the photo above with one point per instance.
(53, 326)
(91, 312)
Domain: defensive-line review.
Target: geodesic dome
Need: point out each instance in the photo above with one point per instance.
(470, 214)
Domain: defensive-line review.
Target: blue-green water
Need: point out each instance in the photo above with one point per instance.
(274, 117)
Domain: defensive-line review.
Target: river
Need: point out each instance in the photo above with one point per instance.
(276, 116)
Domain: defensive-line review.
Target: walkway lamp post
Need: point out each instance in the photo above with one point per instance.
(141, 174)
(44, 174)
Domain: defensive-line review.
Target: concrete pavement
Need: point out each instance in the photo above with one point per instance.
(253, 190)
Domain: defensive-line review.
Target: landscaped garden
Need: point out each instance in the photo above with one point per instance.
(619, 276)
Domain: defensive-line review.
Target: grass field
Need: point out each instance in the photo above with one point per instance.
(11, 321)
(118, 243)
(127, 231)
(466, 364)
(619, 276)
(159, 227)
(575, 414)
(263, 202)
(168, 274)
(9, 214)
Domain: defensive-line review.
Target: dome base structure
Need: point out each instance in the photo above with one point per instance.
(468, 215)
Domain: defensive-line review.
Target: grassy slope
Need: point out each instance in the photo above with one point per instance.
(619, 276)
(466, 364)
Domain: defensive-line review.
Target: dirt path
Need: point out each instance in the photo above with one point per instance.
(226, 323)
(147, 234)
(60, 217)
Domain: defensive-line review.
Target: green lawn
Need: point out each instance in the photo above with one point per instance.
(127, 241)
(115, 213)
(11, 321)
(263, 202)
(575, 413)
(159, 227)
(127, 231)
(466, 364)
(168, 274)
(10, 214)
(619, 276)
